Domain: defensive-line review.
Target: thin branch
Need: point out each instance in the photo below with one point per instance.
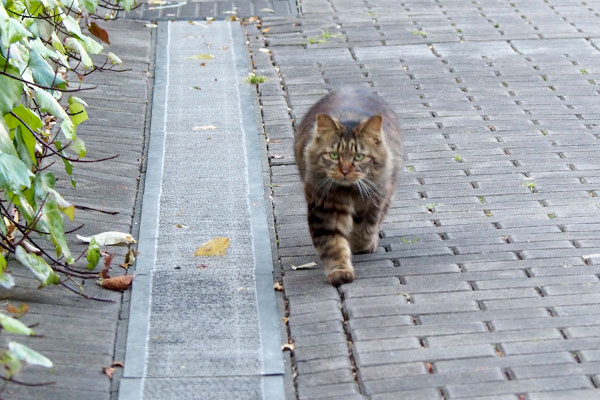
(45, 87)
(85, 295)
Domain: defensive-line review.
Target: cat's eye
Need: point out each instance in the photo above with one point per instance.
(334, 155)
(359, 156)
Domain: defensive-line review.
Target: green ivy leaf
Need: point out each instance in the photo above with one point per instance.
(6, 144)
(13, 173)
(72, 25)
(10, 362)
(113, 59)
(29, 117)
(77, 110)
(93, 254)
(56, 43)
(12, 31)
(26, 146)
(56, 226)
(10, 88)
(31, 357)
(6, 279)
(12, 325)
(90, 5)
(42, 72)
(90, 45)
(75, 46)
(49, 104)
(68, 164)
(127, 4)
(38, 266)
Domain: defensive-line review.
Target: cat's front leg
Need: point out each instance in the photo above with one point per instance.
(330, 226)
(365, 232)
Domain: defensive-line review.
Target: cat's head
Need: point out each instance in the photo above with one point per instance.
(347, 153)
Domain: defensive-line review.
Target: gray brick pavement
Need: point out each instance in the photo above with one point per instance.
(498, 101)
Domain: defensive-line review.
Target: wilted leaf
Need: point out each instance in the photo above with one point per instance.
(269, 10)
(182, 226)
(119, 283)
(109, 238)
(23, 309)
(215, 247)
(151, 25)
(278, 287)
(202, 266)
(304, 266)
(113, 59)
(252, 19)
(117, 364)
(28, 355)
(107, 261)
(108, 371)
(200, 57)
(263, 50)
(204, 128)
(129, 259)
(266, 30)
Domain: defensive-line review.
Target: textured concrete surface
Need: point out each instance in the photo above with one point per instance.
(205, 335)
(485, 282)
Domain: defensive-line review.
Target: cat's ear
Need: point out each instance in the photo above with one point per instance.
(327, 124)
(372, 126)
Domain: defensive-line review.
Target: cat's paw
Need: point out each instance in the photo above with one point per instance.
(340, 276)
(364, 249)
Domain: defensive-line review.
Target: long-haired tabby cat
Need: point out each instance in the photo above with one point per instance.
(349, 151)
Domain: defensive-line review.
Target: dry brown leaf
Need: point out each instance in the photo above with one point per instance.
(252, 19)
(215, 247)
(23, 308)
(108, 371)
(278, 287)
(117, 364)
(180, 226)
(266, 30)
(100, 33)
(129, 258)
(117, 282)
(286, 320)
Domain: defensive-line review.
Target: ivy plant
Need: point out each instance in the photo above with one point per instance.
(47, 47)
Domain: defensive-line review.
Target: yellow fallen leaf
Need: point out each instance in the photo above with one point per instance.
(266, 30)
(304, 266)
(203, 56)
(215, 247)
(287, 346)
(204, 128)
(278, 287)
(269, 10)
(157, 2)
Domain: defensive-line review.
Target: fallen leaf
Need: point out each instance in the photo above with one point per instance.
(117, 282)
(182, 226)
(204, 56)
(151, 25)
(108, 371)
(263, 50)
(204, 128)
(202, 266)
(107, 261)
(233, 18)
(304, 266)
(278, 287)
(269, 10)
(266, 30)
(157, 2)
(23, 308)
(286, 320)
(100, 33)
(117, 364)
(129, 258)
(196, 87)
(252, 19)
(287, 346)
(429, 368)
(109, 238)
(215, 247)
(275, 156)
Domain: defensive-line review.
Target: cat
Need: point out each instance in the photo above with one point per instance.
(349, 152)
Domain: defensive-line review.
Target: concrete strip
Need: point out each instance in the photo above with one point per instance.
(208, 324)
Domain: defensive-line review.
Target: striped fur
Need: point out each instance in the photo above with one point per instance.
(349, 153)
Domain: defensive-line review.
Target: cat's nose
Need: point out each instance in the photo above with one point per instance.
(345, 169)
